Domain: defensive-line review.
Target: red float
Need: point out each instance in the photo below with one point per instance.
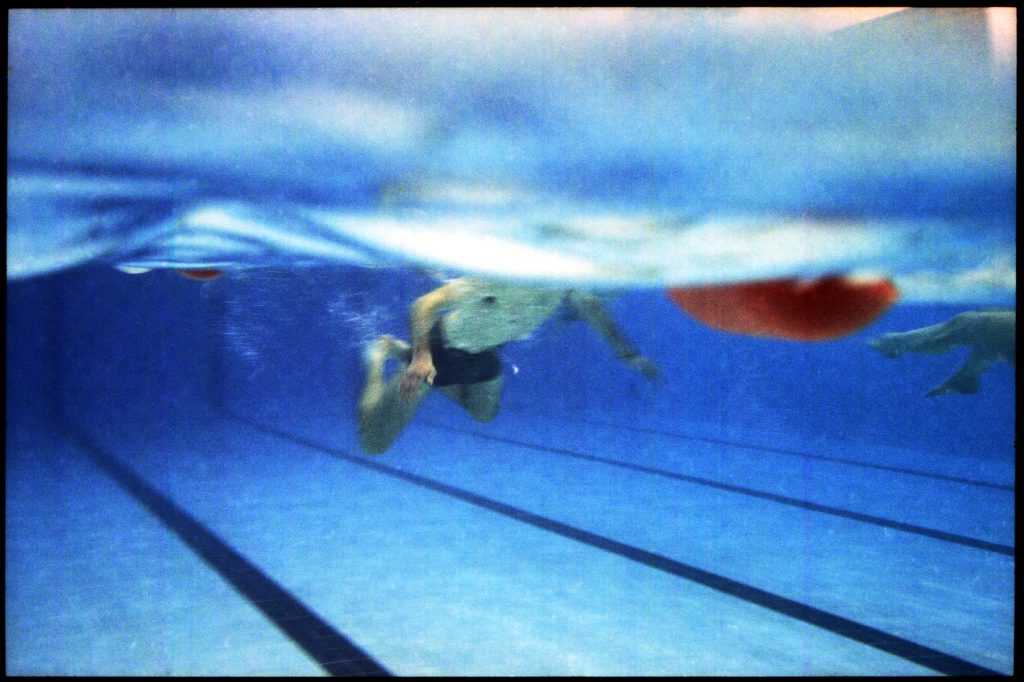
(793, 309)
(201, 275)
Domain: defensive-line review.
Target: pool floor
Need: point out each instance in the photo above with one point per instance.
(217, 540)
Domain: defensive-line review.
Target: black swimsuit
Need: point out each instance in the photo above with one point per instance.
(456, 366)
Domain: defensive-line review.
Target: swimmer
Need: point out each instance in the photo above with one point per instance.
(990, 334)
(457, 351)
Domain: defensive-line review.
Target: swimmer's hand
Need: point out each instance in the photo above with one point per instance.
(419, 370)
(643, 365)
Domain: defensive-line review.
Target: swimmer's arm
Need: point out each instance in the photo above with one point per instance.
(421, 318)
(590, 309)
(424, 311)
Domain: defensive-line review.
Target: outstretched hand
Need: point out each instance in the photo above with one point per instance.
(419, 370)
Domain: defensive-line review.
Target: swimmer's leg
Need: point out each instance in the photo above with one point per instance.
(933, 340)
(968, 378)
(382, 414)
(480, 400)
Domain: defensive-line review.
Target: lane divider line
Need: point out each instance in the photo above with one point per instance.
(933, 533)
(844, 627)
(331, 650)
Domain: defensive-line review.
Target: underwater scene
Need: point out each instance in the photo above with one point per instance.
(493, 342)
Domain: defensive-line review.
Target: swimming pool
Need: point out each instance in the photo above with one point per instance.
(185, 489)
(177, 504)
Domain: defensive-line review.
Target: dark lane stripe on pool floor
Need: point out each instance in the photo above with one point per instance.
(933, 533)
(778, 451)
(844, 627)
(334, 652)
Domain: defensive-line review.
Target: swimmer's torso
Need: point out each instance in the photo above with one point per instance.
(488, 314)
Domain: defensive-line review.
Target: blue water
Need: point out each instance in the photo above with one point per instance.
(599, 525)
(185, 493)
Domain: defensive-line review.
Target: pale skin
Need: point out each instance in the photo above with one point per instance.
(990, 334)
(475, 316)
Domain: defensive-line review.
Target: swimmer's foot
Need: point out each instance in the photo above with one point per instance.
(886, 345)
(383, 348)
